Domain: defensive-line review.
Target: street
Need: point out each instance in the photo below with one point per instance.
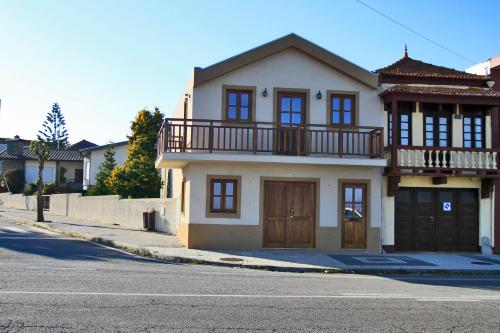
(50, 283)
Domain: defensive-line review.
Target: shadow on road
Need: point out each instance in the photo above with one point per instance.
(39, 244)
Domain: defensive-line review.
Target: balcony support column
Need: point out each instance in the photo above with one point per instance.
(495, 143)
(395, 140)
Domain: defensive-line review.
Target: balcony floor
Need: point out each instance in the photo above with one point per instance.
(179, 160)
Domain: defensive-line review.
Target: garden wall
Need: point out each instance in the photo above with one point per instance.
(104, 209)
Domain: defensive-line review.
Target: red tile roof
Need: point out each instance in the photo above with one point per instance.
(407, 66)
(54, 155)
(441, 91)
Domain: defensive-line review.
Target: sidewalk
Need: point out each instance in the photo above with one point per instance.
(167, 247)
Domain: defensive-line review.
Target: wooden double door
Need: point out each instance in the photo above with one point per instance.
(289, 214)
(445, 219)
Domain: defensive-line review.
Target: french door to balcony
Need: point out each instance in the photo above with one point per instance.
(291, 115)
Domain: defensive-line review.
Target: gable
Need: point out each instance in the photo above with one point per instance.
(292, 41)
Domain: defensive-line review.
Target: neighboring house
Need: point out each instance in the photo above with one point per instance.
(94, 156)
(83, 144)
(275, 148)
(17, 156)
(3, 142)
(443, 135)
(484, 68)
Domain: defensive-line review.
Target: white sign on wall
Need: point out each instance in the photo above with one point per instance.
(446, 206)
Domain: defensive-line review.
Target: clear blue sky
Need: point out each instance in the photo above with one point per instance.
(103, 60)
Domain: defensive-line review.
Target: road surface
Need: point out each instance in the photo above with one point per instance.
(49, 283)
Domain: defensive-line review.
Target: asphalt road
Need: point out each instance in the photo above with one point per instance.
(49, 283)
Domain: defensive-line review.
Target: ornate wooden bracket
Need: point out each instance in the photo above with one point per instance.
(486, 187)
(439, 180)
(392, 185)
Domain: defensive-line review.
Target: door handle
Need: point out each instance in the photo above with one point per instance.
(292, 213)
(431, 219)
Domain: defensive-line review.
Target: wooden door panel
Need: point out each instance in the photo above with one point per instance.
(453, 229)
(303, 209)
(354, 221)
(446, 221)
(275, 214)
(468, 233)
(289, 214)
(424, 224)
(403, 218)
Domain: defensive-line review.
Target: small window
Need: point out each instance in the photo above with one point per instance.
(473, 131)
(404, 129)
(183, 195)
(239, 105)
(342, 110)
(78, 175)
(223, 195)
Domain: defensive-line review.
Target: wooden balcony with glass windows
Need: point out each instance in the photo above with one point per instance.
(455, 140)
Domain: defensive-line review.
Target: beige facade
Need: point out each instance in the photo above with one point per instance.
(287, 70)
(246, 231)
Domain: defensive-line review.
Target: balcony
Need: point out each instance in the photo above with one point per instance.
(442, 161)
(266, 138)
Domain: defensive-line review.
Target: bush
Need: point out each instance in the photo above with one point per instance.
(15, 180)
(49, 188)
(30, 189)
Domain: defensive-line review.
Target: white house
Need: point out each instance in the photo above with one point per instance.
(93, 157)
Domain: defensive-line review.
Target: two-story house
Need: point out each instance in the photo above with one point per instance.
(442, 139)
(278, 147)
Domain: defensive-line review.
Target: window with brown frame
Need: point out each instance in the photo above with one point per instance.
(342, 109)
(223, 196)
(183, 195)
(239, 105)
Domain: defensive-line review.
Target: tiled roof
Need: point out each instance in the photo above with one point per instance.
(407, 66)
(441, 91)
(83, 144)
(55, 155)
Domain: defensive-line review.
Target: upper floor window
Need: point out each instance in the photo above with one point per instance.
(239, 105)
(437, 125)
(342, 109)
(473, 131)
(404, 129)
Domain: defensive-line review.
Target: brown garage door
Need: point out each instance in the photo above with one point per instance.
(289, 214)
(428, 219)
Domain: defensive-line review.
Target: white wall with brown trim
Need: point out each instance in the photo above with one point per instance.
(251, 175)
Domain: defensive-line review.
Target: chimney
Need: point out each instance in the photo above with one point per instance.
(495, 77)
(15, 146)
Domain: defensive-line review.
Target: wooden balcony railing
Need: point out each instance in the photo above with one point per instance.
(447, 160)
(199, 135)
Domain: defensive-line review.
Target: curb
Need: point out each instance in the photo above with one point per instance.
(143, 252)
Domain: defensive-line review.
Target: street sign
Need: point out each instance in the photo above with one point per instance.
(446, 206)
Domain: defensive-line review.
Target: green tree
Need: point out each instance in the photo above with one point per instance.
(101, 186)
(54, 130)
(41, 151)
(14, 180)
(138, 177)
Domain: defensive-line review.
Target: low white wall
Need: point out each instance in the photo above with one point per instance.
(18, 201)
(104, 209)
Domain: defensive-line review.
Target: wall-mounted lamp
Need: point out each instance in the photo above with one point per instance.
(264, 93)
(490, 83)
(318, 95)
